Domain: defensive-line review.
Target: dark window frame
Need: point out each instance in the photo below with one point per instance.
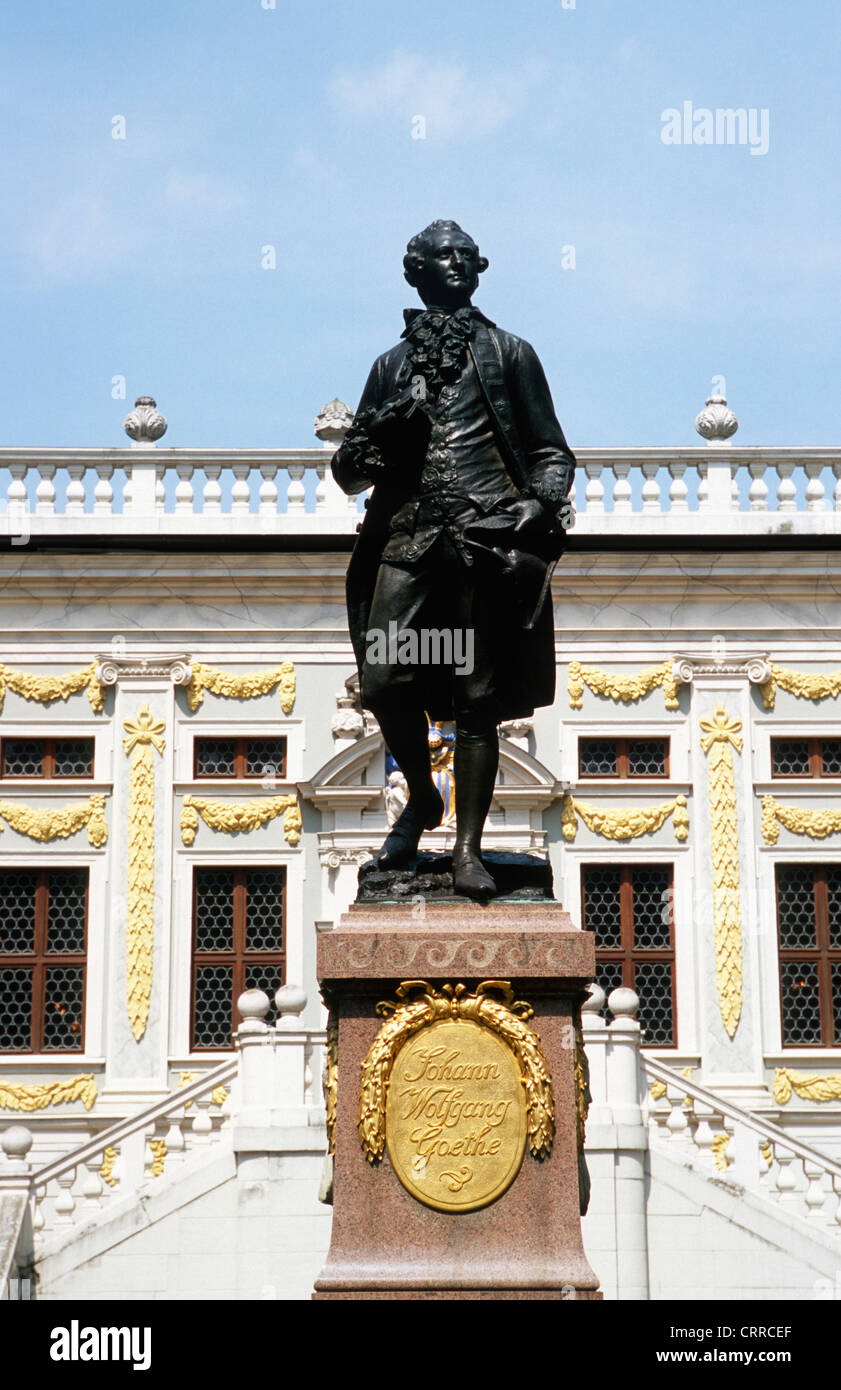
(240, 743)
(40, 959)
(627, 954)
(822, 954)
(623, 758)
(815, 757)
(239, 957)
(48, 756)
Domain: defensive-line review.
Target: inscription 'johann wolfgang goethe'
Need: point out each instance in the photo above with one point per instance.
(456, 1116)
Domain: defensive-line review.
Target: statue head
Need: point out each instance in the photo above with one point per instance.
(443, 264)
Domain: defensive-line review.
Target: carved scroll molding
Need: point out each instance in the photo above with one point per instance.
(752, 666)
(628, 689)
(45, 689)
(175, 669)
(419, 1004)
(816, 824)
(719, 736)
(144, 734)
(621, 824)
(45, 824)
(816, 686)
(240, 816)
(241, 687)
(811, 1086)
(40, 1097)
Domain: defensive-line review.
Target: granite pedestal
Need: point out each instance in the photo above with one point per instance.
(385, 1243)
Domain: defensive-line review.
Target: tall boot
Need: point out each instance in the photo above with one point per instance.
(475, 764)
(406, 737)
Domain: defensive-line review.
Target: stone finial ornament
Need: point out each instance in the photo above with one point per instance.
(716, 422)
(333, 421)
(145, 423)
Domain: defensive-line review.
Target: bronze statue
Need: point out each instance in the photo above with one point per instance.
(447, 587)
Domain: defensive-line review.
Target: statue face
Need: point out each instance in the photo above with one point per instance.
(450, 271)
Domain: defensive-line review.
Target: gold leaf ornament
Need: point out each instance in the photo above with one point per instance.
(719, 737)
(627, 689)
(45, 824)
(233, 817)
(246, 686)
(419, 1004)
(45, 689)
(804, 685)
(43, 1095)
(628, 824)
(816, 824)
(811, 1086)
(143, 735)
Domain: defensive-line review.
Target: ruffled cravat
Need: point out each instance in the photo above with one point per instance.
(438, 345)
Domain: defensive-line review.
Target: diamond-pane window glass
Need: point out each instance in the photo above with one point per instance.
(216, 757)
(597, 757)
(73, 757)
(23, 757)
(796, 906)
(214, 909)
(809, 928)
(623, 757)
(629, 908)
(43, 928)
(831, 757)
(17, 911)
(805, 757)
(265, 757)
(46, 757)
(238, 944)
(240, 757)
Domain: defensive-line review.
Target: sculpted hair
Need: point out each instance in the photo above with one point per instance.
(419, 244)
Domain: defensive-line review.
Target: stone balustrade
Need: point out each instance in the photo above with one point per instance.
(249, 493)
(252, 1103)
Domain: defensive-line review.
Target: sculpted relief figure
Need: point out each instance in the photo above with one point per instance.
(447, 588)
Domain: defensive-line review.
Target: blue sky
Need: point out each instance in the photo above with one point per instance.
(292, 127)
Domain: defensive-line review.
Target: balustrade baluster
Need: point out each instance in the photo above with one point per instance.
(836, 469)
(212, 490)
(92, 1186)
(296, 496)
(815, 493)
(786, 491)
(75, 504)
(202, 1126)
(241, 493)
(594, 494)
(758, 493)
(45, 491)
(184, 492)
(621, 488)
(65, 1202)
(815, 1196)
(678, 490)
(786, 1192)
(160, 489)
(268, 489)
(103, 493)
(651, 487)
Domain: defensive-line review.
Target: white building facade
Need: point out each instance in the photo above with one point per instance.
(188, 786)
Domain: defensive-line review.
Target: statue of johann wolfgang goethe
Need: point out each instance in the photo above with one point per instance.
(448, 585)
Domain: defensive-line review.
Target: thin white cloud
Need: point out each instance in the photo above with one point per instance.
(455, 102)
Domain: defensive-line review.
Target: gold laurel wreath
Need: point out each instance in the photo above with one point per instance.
(626, 824)
(505, 1017)
(812, 1086)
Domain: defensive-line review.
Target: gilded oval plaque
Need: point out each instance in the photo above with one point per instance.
(456, 1115)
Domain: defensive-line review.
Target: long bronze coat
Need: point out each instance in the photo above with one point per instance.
(539, 462)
